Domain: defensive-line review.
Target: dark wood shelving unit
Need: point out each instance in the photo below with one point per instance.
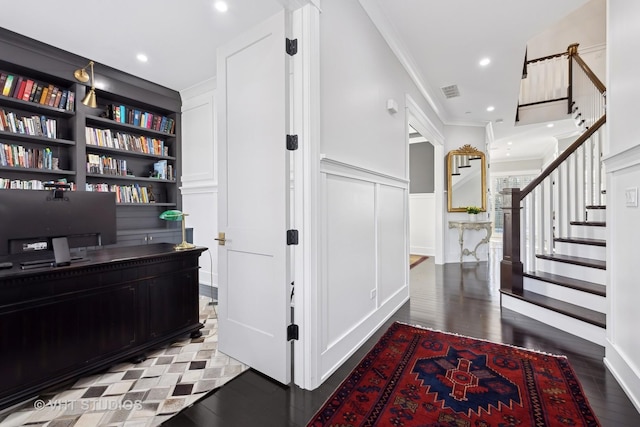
(46, 64)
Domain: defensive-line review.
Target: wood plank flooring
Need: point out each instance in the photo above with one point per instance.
(455, 298)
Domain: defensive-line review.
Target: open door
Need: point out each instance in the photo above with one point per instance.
(254, 291)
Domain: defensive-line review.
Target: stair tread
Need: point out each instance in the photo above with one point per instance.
(586, 262)
(582, 241)
(589, 223)
(568, 309)
(569, 282)
(596, 207)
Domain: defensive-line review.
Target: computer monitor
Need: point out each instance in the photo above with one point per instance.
(30, 219)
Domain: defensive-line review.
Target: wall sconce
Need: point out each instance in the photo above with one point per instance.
(82, 76)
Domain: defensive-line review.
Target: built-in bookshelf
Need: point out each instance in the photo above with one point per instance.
(129, 145)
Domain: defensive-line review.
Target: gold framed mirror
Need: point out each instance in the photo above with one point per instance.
(466, 179)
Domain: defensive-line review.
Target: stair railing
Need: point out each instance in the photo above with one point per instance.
(535, 215)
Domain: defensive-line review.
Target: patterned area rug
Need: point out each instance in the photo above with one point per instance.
(416, 259)
(420, 377)
(137, 395)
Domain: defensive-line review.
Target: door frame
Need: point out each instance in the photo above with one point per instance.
(419, 121)
(305, 194)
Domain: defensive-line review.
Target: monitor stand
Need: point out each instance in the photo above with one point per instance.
(61, 251)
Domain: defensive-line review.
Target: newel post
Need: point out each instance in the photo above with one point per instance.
(511, 266)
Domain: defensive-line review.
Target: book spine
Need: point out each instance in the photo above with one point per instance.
(26, 94)
(8, 84)
(16, 87)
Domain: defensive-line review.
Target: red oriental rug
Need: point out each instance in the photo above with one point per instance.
(420, 377)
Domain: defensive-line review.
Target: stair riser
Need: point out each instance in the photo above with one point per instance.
(579, 272)
(560, 321)
(562, 293)
(598, 215)
(583, 251)
(589, 232)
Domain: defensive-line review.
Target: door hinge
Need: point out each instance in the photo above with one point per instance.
(292, 46)
(292, 332)
(292, 237)
(292, 142)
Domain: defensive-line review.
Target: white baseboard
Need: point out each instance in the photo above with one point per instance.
(624, 373)
(422, 250)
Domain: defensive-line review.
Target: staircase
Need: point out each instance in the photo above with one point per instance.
(554, 242)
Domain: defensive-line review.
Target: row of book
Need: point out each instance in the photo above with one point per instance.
(125, 141)
(135, 117)
(105, 165)
(34, 125)
(19, 156)
(26, 89)
(133, 193)
(33, 184)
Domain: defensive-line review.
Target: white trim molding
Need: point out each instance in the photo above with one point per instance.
(199, 187)
(347, 170)
(622, 160)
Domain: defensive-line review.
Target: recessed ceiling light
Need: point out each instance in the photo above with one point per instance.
(550, 125)
(509, 143)
(491, 108)
(484, 62)
(508, 154)
(142, 57)
(221, 6)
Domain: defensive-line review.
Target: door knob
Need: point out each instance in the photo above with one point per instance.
(221, 239)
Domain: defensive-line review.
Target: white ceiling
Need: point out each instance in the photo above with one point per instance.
(442, 40)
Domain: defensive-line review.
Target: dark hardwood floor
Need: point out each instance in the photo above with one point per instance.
(455, 298)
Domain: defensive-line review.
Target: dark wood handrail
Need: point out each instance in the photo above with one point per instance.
(563, 156)
(544, 58)
(594, 79)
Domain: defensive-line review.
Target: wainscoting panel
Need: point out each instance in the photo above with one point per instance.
(422, 220)
(198, 135)
(350, 255)
(392, 242)
(364, 257)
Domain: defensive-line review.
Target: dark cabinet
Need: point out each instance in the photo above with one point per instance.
(59, 323)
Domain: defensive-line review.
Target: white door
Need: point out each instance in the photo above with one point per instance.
(254, 301)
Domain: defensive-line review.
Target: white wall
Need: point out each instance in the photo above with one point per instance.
(585, 26)
(199, 173)
(623, 172)
(364, 181)
(422, 214)
(456, 137)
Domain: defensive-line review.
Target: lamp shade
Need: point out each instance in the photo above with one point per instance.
(90, 99)
(172, 215)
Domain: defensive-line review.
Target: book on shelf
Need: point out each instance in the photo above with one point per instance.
(160, 169)
(7, 86)
(3, 80)
(71, 104)
(43, 96)
(16, 86)
(27, 90)
(32, 93)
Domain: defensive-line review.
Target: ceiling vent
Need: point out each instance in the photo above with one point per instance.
(450, 91)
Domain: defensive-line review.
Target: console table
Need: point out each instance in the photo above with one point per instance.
(58, 323)
(471, 225)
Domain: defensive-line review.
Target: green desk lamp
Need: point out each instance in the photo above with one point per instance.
(175, 215)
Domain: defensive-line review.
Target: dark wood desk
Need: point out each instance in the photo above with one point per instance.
(58, 323)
